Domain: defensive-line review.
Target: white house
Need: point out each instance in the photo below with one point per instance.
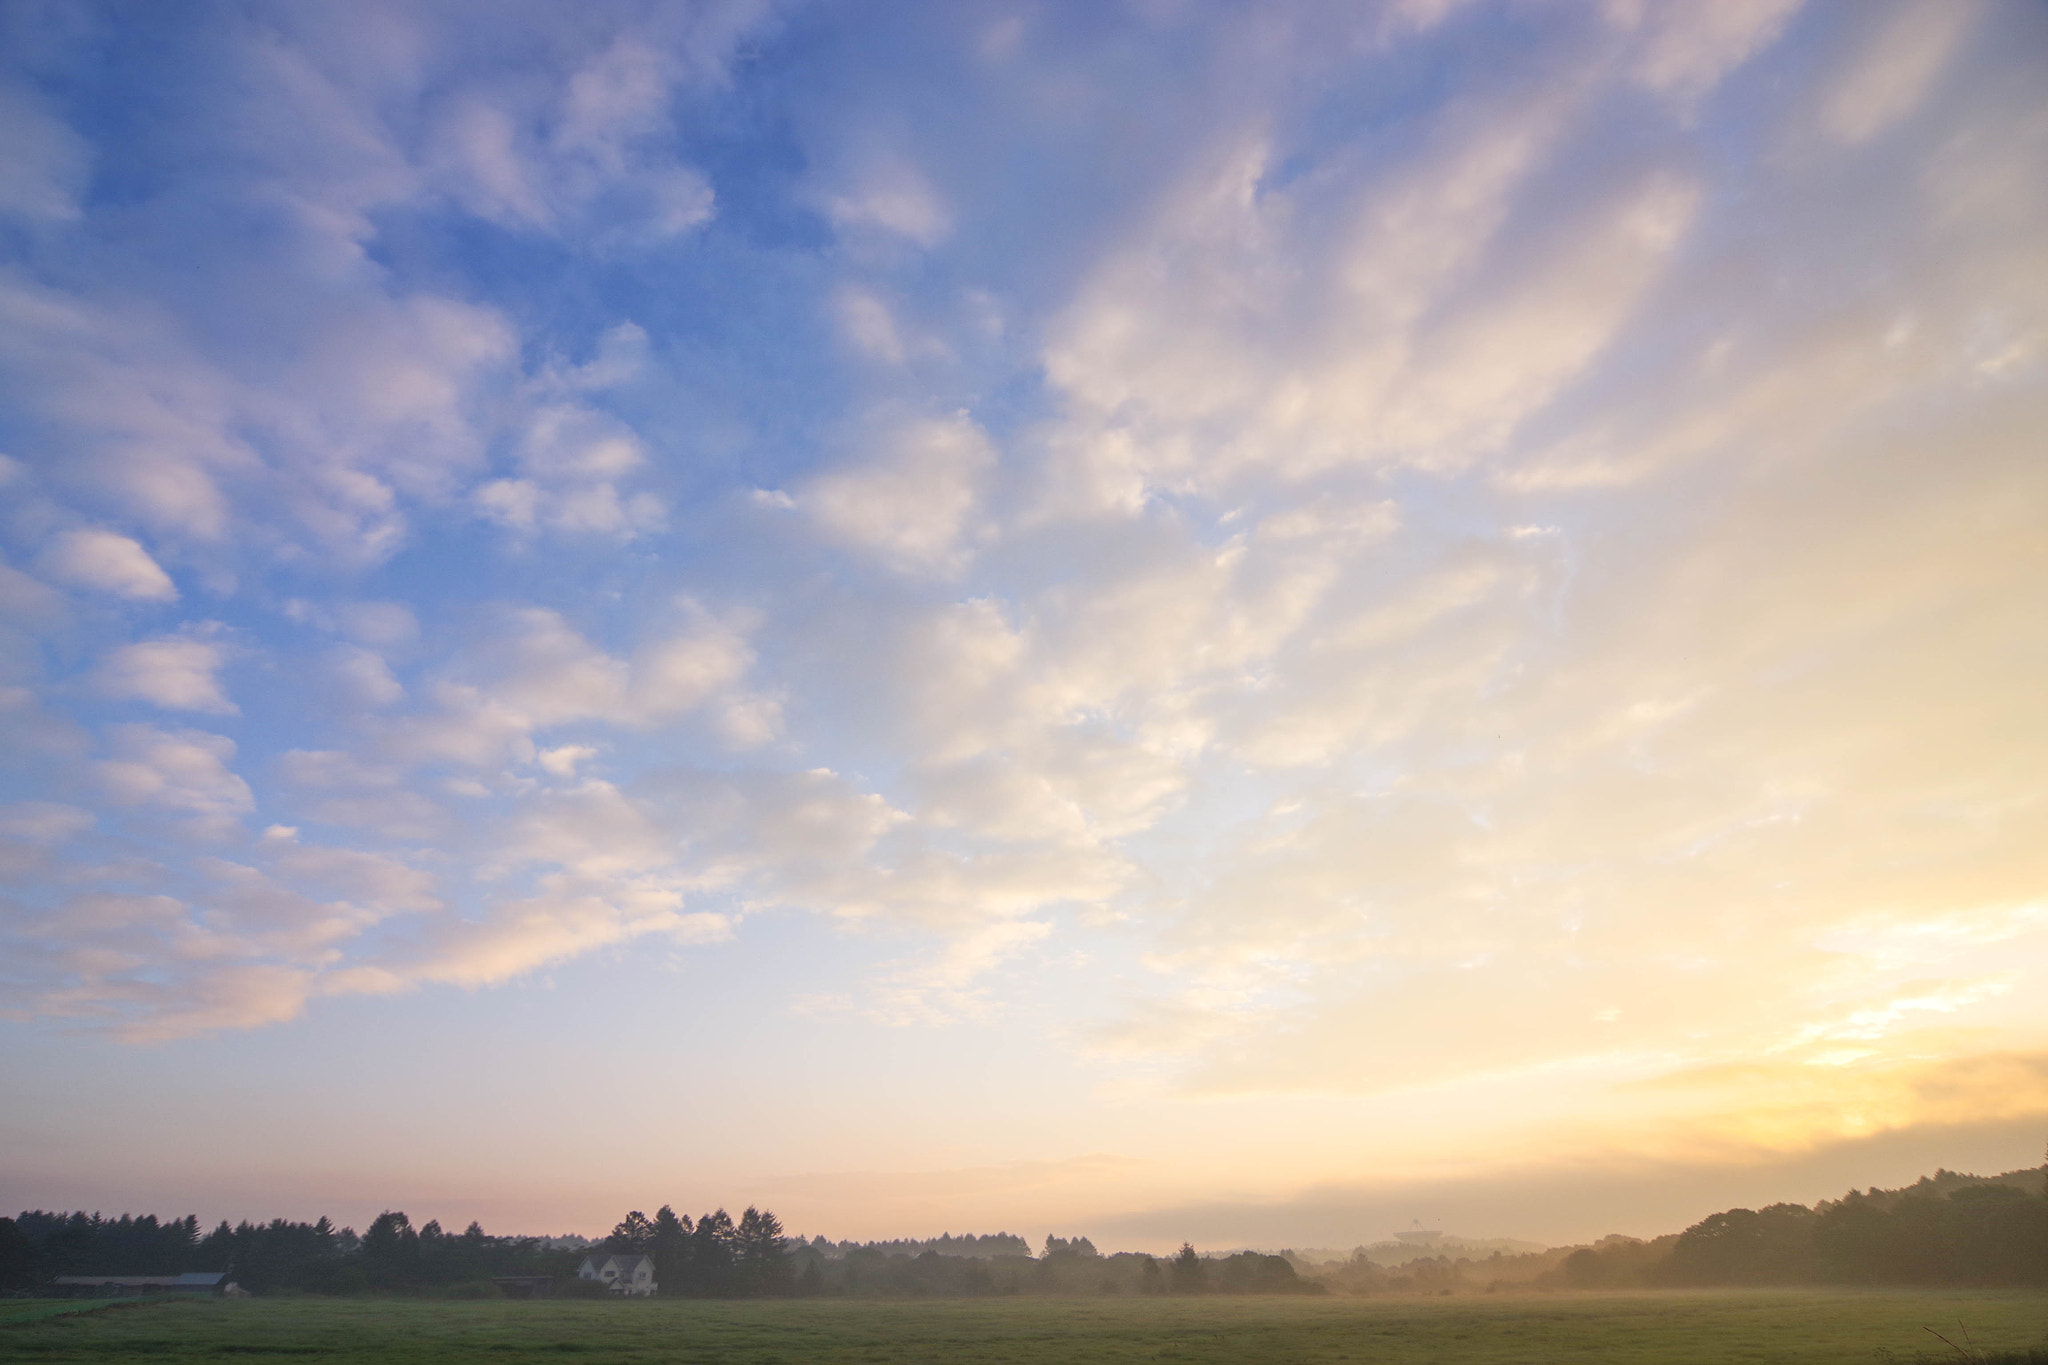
(621, 1274)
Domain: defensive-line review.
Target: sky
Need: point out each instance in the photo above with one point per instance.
(1252, 623)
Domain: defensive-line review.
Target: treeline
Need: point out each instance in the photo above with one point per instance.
(711, 1256)
(714, 1255)
(1947, 1229)
(275, 1257)
(78, 1244)
(1068, 1266)
(992, 1244)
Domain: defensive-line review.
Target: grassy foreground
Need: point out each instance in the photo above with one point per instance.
(1668, 1328)
(31, 1310)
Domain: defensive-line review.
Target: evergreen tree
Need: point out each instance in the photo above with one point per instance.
(390, 1250)
(811, 1282)
(762, 1254)
(1190, 1276)
(634, 1234)
(712, 1254)
(20, 1267)
(1150, 1280)
(671, 1251)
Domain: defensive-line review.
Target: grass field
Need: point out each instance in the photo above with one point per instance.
(29, 1310)
(1671, 1329)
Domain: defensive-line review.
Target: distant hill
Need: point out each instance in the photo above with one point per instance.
(1946, 1228)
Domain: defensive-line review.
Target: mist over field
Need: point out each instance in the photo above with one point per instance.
(1249, 625)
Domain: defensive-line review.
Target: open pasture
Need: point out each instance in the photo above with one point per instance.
(33, 1310)
(1668, 1328)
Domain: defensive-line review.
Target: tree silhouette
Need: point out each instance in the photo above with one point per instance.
(634, 1234)
(764, 1260)
(19, 1266)
(713, 1250)
(671, 1251)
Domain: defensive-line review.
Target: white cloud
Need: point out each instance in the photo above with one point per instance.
(944, 987)
(888, 193)
(686, 671)
(108, 562)
(1686, 50)
(912, 500)
(28, 601)
(1469, 566)
(340, 396)
(332, 768)
(44, 165)
(566, 919)
(234, 997)
(867, 325)
(44, 822)
(561, 761)
(380, 625)
(371, 879)
(182, 771)
(573, 460)
(1892, 74)
(593, 830)
(365, 676)
(531, 671)
(249, 947)
(178, 673)
(150, 419)
(1244, 327)
(377, 404)
(585, 161)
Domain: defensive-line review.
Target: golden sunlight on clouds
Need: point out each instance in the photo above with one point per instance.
(1743, 1110)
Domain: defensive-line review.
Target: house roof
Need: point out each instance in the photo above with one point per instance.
(627, 1262)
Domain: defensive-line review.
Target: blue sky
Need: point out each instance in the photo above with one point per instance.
(1105, 617)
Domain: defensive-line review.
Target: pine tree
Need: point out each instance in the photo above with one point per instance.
(713, 1248)
(20, 1268)
(763, 1257)
(671, 1252)
(811, 1283)
(390, 1251)
(1190, 1276)
(635, 1234)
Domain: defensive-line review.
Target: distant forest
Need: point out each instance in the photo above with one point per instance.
(1948, 1229)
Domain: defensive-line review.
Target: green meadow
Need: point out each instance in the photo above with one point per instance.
(32, 1310)
(1669, 1328)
